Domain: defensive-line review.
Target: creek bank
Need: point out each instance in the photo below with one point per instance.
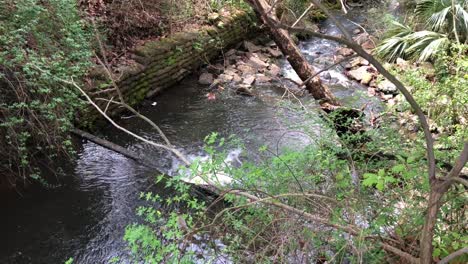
(160, 64)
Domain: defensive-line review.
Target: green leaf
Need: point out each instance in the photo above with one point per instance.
(380, 186)
(399, 168)
(370, 179)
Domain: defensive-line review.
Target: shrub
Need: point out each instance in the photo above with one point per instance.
(39, 42)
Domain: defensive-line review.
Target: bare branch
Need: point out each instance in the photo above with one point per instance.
(453, 255)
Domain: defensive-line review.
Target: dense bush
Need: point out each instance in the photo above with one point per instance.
(40, 41)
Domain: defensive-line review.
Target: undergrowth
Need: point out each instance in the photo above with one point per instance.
(38, 40)
(378, 188)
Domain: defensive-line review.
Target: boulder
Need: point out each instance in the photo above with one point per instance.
(368, 45)
(357, 62)
(246, 69)
(244, 90)
(387, 97)
(257, 63)
(402, 64)
(249, 46)
(428, 69)
(345, 52)
(248, 80)
(230, 52)
(213, 17)
(362, 74)
(224, 78)
(236, 78)
(274, 70)
(326, 75)
(262, 79)
(215, 69)
(387, 87)
(230, 72)
(206, 78)
(274, 53)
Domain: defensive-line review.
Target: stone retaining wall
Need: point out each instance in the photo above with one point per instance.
(163, 63)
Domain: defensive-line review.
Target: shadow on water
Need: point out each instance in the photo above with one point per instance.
(85, 217)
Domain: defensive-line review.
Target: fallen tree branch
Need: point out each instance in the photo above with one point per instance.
(114, 147)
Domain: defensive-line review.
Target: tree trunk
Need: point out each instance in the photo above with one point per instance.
(303, 69)
(437, 191)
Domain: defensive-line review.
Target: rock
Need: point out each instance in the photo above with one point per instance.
(215, 69)
(262, 57)
(244, 90)
(249, 46)
(257, 63)
(391, 102)
(274, 70)
(387, 87)
(428, 69)
(361, 38)
(206, 78)
(213, 17)
(402, 64)
(230, 72)
(271, 44)
(248, 80)
(357, 62)
(233, 59)
(367, 78)
(274, 53)
(246, 69)
(236, 78)
(345, 52)
(371, 91)
(361, 74)
(262, 79)
(326, 75)
(368, 45)
(387, 97)
(225, 78)
(230, 52)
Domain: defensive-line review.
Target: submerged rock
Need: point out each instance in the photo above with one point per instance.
(244, 90)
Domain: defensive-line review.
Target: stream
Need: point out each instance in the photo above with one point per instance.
(85, 216)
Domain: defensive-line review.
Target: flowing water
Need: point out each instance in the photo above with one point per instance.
(85, 216)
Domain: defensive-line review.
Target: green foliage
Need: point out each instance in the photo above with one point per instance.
(443, 96)
(423, 45)
(389, 197)
(40, 42)
(218, 4)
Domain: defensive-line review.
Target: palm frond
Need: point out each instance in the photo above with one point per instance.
(438, 20)
(461, 16)
(394, 47)
(426, 44)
